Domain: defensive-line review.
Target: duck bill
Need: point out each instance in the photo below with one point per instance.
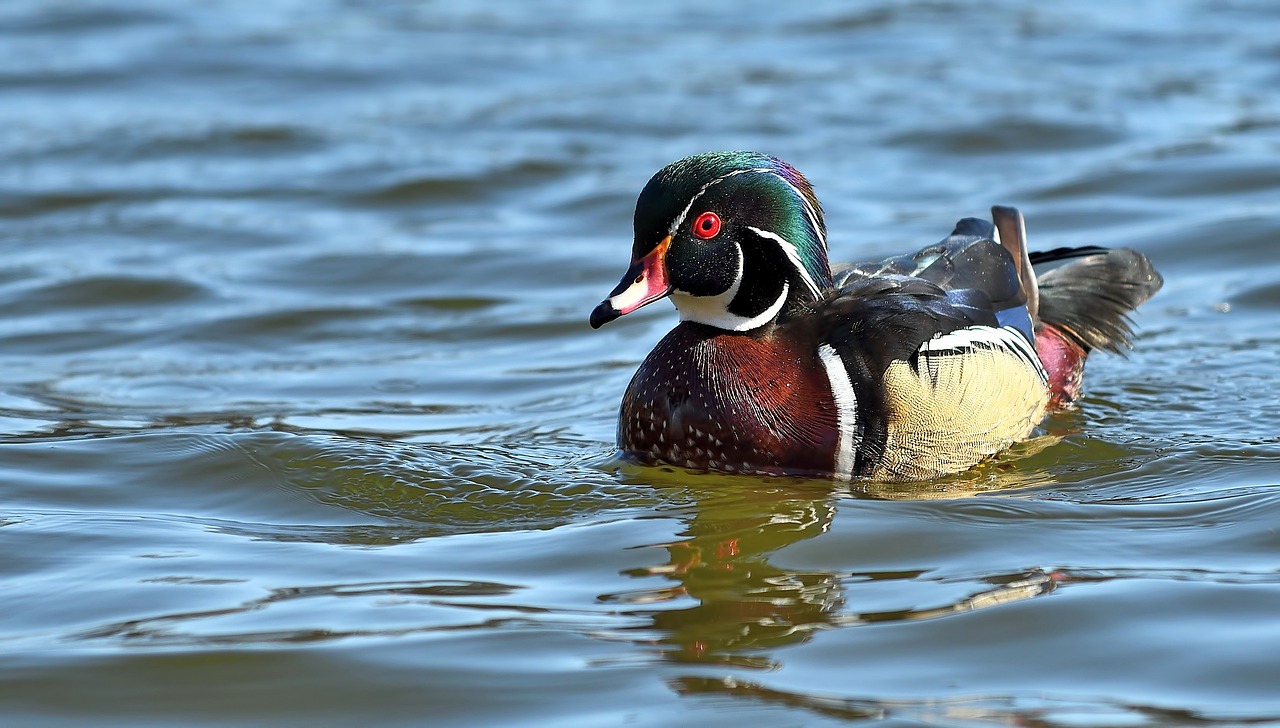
(645, 282)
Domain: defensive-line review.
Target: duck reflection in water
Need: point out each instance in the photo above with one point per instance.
(743, 608)
(744, 605)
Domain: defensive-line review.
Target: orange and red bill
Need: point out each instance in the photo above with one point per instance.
(644, 282)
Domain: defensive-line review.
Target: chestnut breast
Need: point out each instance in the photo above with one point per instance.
(708, 399)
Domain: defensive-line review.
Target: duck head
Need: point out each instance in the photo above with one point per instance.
(733, 238)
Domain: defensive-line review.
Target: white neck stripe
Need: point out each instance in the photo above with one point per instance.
(846, 402)
(714, 310)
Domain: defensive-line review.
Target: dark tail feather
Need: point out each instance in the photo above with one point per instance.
(1089, 297)
(1060, 254)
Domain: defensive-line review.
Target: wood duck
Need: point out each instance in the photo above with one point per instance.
(895, 370)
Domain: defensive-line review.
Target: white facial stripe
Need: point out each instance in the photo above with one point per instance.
(846, 410)
(793, 255)
(809, 211)
(710, 310)
(714, 310)
(685, 213)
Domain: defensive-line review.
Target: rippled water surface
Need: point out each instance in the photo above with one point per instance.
(303, 423)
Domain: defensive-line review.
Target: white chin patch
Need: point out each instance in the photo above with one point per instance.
(714, 310)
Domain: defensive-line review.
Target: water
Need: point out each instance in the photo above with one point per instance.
(303, 423)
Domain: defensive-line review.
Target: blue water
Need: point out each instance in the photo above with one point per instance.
(303, 422)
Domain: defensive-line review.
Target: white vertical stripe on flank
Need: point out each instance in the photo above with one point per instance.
(846, 410)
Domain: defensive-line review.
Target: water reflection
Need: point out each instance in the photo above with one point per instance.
(744, 605)
(1030, 711)
(722, 600)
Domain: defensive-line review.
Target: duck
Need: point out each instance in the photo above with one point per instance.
(904, 369)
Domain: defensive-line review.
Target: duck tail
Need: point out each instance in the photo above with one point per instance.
(1085, 298)
(1011, 232)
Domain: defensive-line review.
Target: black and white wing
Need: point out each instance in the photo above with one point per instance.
(940, 374)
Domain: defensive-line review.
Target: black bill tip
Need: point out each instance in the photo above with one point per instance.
(603, 314)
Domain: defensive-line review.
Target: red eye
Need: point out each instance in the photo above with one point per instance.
(707, 225)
